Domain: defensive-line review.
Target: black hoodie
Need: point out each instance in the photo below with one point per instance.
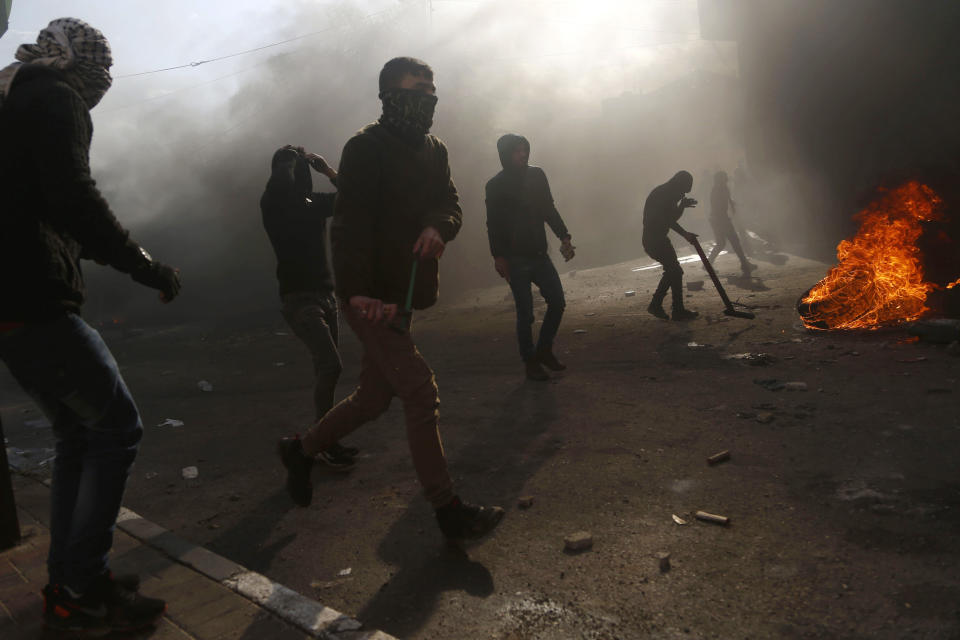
(52, 213)
(296, 221)
(518, 203)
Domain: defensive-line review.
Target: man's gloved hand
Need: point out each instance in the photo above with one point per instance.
(688, 202)
(157, 275)
(567, 249)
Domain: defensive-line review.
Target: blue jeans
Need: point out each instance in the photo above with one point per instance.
(538, 270)
(71, 374)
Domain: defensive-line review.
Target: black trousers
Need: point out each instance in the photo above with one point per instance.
(661, 249)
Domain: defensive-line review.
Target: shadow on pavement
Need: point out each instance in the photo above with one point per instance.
(747, 282)
(495, 464)
(242, 542)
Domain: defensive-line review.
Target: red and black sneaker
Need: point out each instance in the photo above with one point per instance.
(108, 605)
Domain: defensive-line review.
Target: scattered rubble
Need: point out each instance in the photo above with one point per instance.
(203, 385)
(525, 502)
(712, 517)
(629, 294)
(795, 386)
(679, 520)
(579, 331)
(579, 541)
(663, 560)
(760, 359)
(765, 417)
(190, 473)
(170, 422)
(717, 458)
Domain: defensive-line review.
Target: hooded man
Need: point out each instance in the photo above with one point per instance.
(723, 229)
(295, 219)
(519, 202)
(661, 213)
(396, 210)
(52, 216)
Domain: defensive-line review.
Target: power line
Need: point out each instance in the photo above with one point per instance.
(199, 84)
(240, 53)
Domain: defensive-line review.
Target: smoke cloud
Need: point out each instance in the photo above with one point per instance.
(614, 100)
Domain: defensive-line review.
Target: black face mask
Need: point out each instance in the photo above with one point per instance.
(408, 112)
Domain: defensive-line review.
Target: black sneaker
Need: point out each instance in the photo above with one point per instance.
(129, 581)
(682, 315)
(107, 606)
(657, 310)
(298, 466)
(547, 359)
(535, 370)
(747, 267)
(462, 521)
(335, 459)
(351, 452)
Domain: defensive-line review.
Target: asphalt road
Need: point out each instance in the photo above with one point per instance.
(844, 499)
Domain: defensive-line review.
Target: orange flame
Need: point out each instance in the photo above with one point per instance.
(879, 278)
(954, 284)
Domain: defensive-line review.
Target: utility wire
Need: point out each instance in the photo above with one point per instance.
(240, 53)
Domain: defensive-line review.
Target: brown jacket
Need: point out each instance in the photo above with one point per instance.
(389, 192)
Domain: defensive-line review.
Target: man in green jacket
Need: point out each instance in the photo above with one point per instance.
(396, 210)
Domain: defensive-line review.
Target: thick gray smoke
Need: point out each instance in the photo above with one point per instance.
(607, 120)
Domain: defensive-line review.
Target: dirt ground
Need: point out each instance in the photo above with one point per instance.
(843, 499)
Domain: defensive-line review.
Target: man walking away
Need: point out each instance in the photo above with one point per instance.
(723, 229)
(295, 219)
(396, 210)
(53, 214)
(661, 213)
(519, 202)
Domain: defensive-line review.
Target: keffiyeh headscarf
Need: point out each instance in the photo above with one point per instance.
(409, 112)
(72, 46)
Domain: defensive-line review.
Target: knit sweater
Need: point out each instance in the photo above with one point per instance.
(389, 191)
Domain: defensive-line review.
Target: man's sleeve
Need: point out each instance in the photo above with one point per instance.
(354, 216)
(323, 204)
(551, 214)
(446, 217)
(496, 227)
(72, 201)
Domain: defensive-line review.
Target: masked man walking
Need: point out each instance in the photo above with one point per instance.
(53, 215)
(396, 210)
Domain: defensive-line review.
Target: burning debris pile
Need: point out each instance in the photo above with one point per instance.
(879, 279)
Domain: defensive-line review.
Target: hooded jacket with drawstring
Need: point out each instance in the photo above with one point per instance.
(519, 202)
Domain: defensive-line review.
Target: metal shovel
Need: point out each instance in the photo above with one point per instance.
(729, 311)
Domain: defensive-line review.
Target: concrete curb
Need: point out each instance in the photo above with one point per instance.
(308, 615)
